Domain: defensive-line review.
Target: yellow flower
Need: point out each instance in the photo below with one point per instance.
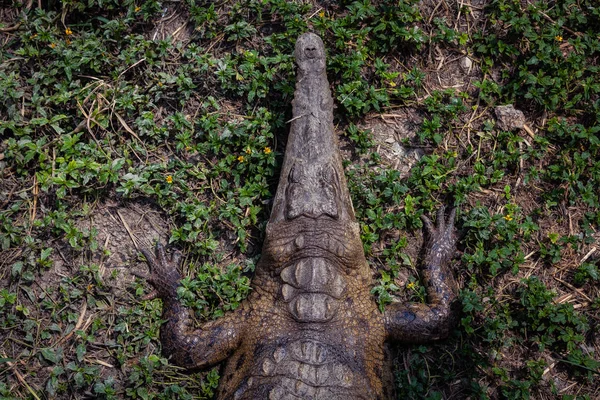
(558, 38)
(392, 83)
(138, 8)
(411, 285)
(248, 150)
(67, 41)
(241, 158)
(169, 179)
(68, 31)
(508, 217)
(267, 150)
(188, 148)
(322, 14)
(52, 45)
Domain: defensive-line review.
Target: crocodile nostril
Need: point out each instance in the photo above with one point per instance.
(310, 52)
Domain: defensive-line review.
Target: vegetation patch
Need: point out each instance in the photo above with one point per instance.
(127, 122)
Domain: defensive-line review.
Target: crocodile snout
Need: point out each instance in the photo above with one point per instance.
(311, 52)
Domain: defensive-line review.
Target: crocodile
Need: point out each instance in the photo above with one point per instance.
(310, 328)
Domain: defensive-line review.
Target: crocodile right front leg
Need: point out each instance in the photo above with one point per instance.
(421, 323)
(187, 347)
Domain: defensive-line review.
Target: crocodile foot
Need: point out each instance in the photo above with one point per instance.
(441, 242)
(164, 276)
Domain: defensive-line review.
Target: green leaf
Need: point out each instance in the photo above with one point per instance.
(52, 355)
(80, 351)
(17, 268)
(45, 253)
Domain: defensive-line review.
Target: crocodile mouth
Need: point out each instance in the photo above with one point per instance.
(312, 182)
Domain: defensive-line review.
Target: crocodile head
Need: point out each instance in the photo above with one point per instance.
(312, 183)
(310, 54)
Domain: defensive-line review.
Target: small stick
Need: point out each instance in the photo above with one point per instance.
(589, 253)
(20, 378)
(131, 235)
(567, 284)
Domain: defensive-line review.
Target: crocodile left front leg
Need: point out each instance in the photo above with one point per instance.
(189, 348)
(421, 323)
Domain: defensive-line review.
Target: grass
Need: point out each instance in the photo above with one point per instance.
(140, 120)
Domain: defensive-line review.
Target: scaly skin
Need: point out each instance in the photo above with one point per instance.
(310, 329)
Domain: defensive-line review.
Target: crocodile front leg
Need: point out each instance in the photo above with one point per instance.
(189, 348)
(420, 323)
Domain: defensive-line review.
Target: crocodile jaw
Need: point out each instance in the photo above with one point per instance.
(312, 182)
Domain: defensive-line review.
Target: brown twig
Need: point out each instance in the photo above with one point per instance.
(20, 378)
(18, 24)
(131, 235)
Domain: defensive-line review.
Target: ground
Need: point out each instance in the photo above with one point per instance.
(126, 123)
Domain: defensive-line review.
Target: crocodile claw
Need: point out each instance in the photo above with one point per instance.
(151, 296)
(164, 276)
(141, 275)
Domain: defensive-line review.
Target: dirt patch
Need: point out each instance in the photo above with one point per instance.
(173, 23)
(9, 20)
(450, 71)
(123, 230)
(451, 68)
(394, 135)
(462, 15)
(120, 231)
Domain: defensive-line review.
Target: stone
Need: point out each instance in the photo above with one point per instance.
(466, 64)
(509, 118)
